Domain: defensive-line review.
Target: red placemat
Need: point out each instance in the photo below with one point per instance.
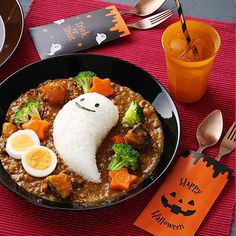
(143, 48)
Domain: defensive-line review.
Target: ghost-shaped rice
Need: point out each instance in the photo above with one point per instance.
(79, 129)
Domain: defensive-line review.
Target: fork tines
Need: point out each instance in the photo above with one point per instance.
(151, 21)
(160, 16)
(231, 132)
(228, 142)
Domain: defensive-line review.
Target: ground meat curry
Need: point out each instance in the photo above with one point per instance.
(144, 137)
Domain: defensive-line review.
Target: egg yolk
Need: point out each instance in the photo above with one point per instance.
(21, 142)
(39, 159)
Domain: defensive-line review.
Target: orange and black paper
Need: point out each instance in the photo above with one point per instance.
(78, 33)
(183, 200)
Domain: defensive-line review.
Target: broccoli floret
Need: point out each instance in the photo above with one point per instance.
(20, 117)
(125, 156)
(84, 80)
(133, 115)
(30, 108)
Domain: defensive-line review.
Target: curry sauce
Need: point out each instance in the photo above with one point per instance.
(84, 192)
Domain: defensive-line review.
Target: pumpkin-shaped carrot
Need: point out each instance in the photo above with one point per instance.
(102, 86)
(121, 179)
(38, 126)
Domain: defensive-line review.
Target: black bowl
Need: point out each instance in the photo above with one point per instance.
(12, 23)
(120, 72)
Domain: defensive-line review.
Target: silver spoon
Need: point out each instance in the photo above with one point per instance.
(209, 131)
(144, 7)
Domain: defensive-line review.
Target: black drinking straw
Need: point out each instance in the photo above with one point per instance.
(185, 31)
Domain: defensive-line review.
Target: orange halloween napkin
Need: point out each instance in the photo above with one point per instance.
(183, 200)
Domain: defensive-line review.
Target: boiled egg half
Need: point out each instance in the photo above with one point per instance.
(39, 161)
(19, 141)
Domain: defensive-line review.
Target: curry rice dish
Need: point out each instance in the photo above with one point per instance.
(84, 140)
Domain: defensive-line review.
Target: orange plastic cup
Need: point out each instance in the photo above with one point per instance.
(187, 80)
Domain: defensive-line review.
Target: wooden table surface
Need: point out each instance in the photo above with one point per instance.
(209, 9)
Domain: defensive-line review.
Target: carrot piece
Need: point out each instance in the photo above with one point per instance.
(118, 139)
(102, 86)
(38, 126)
(121, 179)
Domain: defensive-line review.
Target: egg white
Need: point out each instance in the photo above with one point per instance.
(35, 172)
(18, 154)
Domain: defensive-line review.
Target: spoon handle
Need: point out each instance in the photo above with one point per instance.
(130, 11)
(200, 149)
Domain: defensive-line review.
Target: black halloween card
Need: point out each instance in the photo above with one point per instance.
(79, 32)
(185, 197)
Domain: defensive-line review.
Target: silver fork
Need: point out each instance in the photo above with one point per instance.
(228, 142)
(151, 21)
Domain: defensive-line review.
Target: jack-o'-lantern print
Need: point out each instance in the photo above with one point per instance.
(178, 206)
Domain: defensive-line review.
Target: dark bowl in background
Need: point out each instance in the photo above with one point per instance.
(13, 21)
(118, 71)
